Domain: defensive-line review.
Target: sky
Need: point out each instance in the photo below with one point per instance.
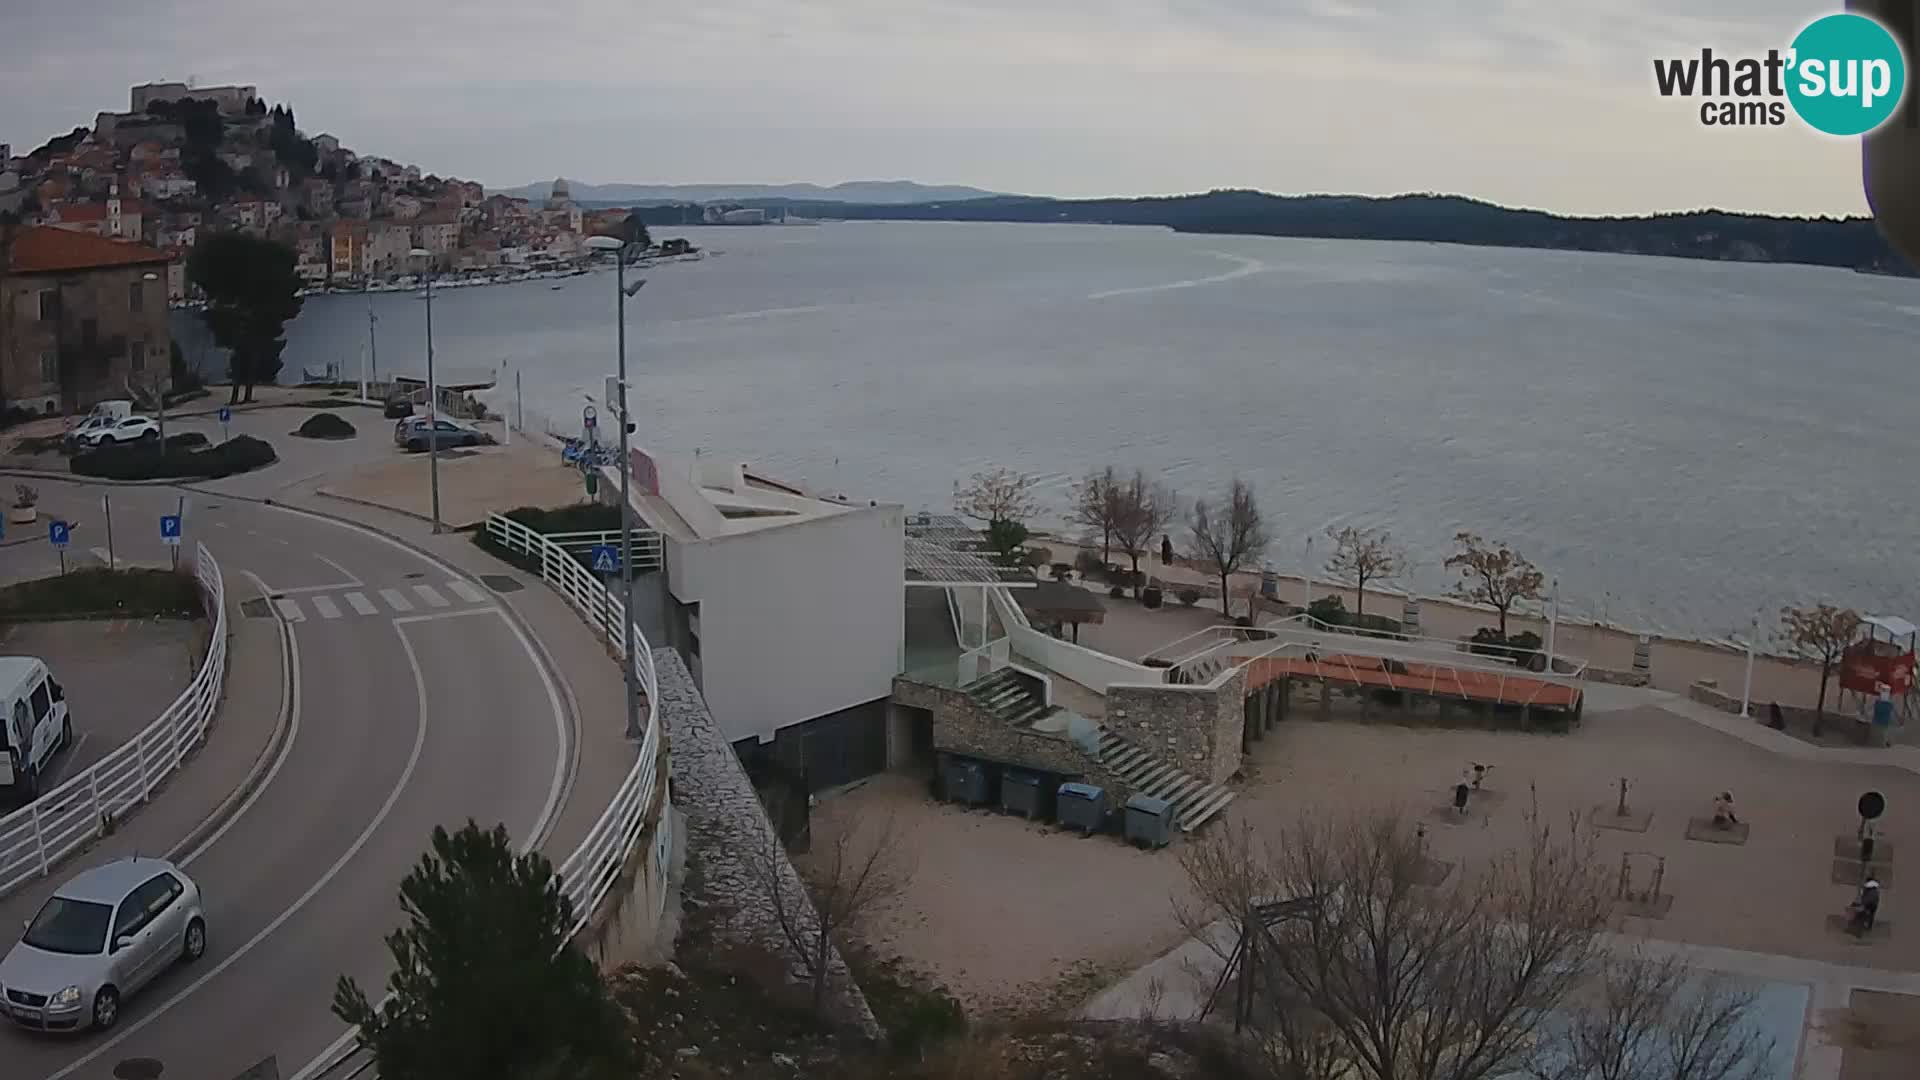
(1535, 103)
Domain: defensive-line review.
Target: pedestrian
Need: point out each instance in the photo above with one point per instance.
(1867, 908)
(1166, 550)
(1461, 791)
(1479, 774)
(1723, 811)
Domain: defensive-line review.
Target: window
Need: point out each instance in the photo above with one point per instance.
(159, 894)
(49, 305)
(131, 915)
(59, 692)
(42, 701)
(133, 296)
(49, 367)
(72, 927)
(21, 723)
(137, 355)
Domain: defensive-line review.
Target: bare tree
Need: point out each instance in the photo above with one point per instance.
(1095, 508)
(831, 892)
(1379, 975)
(1363, 555)
(1493, 574)
(1004, 501)
(149, 391)
(1651, 1017)
(1142, 510)
(1820, 633)
(1228, 537)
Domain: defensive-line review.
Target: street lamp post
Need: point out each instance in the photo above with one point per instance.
(433, 395)
(621, 293)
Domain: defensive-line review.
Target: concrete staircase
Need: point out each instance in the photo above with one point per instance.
(1011, 696)
(1194, 800)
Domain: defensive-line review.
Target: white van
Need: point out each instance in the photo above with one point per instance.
(33, 724)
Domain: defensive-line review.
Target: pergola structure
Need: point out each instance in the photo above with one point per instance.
(943, 552)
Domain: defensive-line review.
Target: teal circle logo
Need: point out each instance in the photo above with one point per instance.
(1847, 76)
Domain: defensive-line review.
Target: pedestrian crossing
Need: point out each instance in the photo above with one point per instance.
(392, 601)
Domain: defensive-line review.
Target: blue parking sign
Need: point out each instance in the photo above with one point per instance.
(170, 529)
(59, 533)
(605, 559)
(226, 414)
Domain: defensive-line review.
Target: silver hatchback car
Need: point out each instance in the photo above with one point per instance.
(102, 936)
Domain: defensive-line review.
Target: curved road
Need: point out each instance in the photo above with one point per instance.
(415, 702)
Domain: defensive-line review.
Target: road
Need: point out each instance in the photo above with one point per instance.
(416, 703)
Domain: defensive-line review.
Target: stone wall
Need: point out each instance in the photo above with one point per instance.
(1707, 692)
(1622, 678)
(1197, 728)
(725, 823)
(961, 726)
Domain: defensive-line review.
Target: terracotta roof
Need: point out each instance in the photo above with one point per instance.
(95, 211)
(44, 250)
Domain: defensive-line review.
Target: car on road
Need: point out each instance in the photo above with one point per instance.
(101, 937)
(124, 430)
(411, 433)
(34, 725)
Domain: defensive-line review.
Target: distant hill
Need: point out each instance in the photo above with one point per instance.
(875, 192)
(1706, 234)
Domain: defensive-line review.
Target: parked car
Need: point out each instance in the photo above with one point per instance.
(34, 724)
(398, 407)
(125, 430)
(411, 433)
(101, 937)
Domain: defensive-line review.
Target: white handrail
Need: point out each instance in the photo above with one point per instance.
(591, 871)
(61, 821)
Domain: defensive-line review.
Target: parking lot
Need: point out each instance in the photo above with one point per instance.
(118, 674)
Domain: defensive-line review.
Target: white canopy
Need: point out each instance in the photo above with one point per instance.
(1892, 624)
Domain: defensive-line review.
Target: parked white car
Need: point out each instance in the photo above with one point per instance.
(125, 430)
(101, 937)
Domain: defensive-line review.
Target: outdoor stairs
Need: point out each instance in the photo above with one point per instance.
(1011, 696)
(1194, 800)
(1202, 671)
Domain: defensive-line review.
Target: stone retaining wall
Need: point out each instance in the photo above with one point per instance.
(1623, 678)
(1707, 692)
(961, 726)
(1197, 728)
(725, 825)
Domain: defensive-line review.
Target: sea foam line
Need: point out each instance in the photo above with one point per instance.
(1247, 266)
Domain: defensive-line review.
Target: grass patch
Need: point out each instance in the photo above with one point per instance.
(102, 592)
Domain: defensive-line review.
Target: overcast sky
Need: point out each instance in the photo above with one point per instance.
(1544, 103)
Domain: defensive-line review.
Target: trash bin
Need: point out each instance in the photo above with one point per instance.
(1083, 807)
(966, 782)
(1020, 793)
(1150, 821)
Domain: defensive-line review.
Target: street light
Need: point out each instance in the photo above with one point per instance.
(433, 394)
(621, 293)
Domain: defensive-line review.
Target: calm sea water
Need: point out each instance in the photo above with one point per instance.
(1680, 443)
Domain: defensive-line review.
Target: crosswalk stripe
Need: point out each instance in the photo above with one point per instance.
(290, 609)
(326, 607)
(431, 596)
(466, 591)
(396, 600)
(360, 604)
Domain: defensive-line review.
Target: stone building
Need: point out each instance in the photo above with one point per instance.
(80, 317)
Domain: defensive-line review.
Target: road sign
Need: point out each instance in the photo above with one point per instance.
(170, 529)
(226, 414)
(59, 533)
(589, 417)
(605, 559)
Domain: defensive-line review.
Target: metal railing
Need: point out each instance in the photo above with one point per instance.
(647, 552)
(86, 806)
(590, 872)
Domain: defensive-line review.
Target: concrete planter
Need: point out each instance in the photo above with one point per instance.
(22, 515)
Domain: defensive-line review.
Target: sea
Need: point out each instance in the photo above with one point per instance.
(1683, 446)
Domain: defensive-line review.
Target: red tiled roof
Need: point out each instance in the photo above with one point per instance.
(95, 211)
(44, 250)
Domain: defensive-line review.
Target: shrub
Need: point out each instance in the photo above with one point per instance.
(1330, 610)
(25, 496)
(1523, 648)
(1189, 596)
(1061, 570)
(1118, 592)
(325, 425)
(1151, 596)
(145, 461)
(99, 591)
(1087, 563)
(186, 440)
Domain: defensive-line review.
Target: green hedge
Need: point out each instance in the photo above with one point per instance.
(99, 591)
(580, 517)
(325, 425)
(241, 453)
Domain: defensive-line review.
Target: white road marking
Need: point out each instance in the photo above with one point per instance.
(344, 572)
(302, 590)
(290, 609)
(430, 595)
(465, 591)
(396, 600)
(379, 818)
(442, 615)
(326, 607)
(360, 604)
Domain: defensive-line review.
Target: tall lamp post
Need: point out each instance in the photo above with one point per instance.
(433, 394)
(622, 292)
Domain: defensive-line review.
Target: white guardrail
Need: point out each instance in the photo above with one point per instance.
(589, 874)
(67, 818)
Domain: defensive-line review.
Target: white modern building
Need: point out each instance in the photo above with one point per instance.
(789, 607)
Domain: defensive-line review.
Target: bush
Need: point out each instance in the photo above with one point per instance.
(186, 440)
(1189, 597)
(1151, 596)
(1061, 570)
(146, 461)
(325, 425)
(1523, 648)
(99, 591)
(1087, 563)
(1118, 592)
(1330, 610)
(579, 517)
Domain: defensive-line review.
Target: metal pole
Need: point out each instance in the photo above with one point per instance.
(1746, 688)
(1306, 580)
(433, 411)
(634, 730)
(106, 511)
(1553, 622)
